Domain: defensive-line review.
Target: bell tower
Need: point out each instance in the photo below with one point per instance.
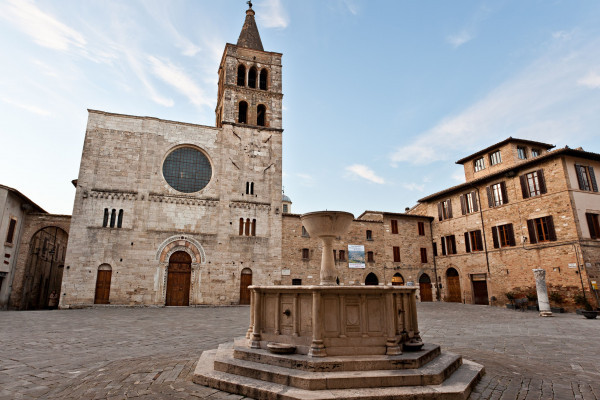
(249, 81)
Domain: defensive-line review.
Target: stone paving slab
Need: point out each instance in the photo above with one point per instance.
(151, 353)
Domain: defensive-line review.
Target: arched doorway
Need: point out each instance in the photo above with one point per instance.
(453, 286)
(397, 279)
(245, 281)
(371, 279)
(44, 268)
(103, 284)
(425, 288)
(179, 276)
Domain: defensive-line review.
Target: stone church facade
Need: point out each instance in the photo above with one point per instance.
(171, 213)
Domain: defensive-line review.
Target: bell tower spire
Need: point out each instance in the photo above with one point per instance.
(249, 36)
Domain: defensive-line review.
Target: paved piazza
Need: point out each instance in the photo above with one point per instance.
(150, 353)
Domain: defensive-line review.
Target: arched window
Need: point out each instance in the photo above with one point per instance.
(261, 112)
(243, 113)
(241, 76)
(251, 187)
(113, 215)
(371, 279)
(247, 231)
(120, 219)
(252, 78)
(247, 187)
(263, 79)
(253, 227)
(241, 226)
(397, 279)
(105, 221)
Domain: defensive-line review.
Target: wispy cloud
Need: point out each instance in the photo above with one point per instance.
(469, 31)
(413, 187)
(591, 80)
(364, 172)
(305, 179)
(42, 27)
(351, 6)
(459, 38)
(176, 77)
(272, 14)
(27, 107)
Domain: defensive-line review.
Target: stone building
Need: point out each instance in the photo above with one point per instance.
(172, 213)
(397, 251)
(523, 206)
(34, 249)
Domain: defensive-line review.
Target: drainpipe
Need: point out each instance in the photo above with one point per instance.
(437, 285)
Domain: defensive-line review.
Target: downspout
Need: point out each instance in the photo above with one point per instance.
(437, 285)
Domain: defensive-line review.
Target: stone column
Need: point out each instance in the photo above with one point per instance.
(392, 348)
(542, 292)
(255, 340)
(327, 263)
(317, 348)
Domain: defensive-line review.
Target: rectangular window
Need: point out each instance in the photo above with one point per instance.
(342, 254)
(285, 209)
(296, 282)
(305, 254)
(396, 254)
(533, 184)
(444, 210)
(448, 245)
(541, 229)
(503, 236)
(421, 226)
(495, 158)
(593, 225)
(473, 241)
(304, 232)
(497, 194)
(10, 235)
(434, 245)
(369, 235)
(468, 203)
(370, 257)
(394, 226)
(522, 153)
(535, 152)
(479, 164)
(586, 178)
(423, 255)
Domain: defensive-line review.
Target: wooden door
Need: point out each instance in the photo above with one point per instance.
(179, 277)
(102, 287)
(453, 286)
(244, 283)
(480, 293)
(425, 288)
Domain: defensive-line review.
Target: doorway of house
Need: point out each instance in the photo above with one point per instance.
(179, 276)
(480, 292)
(425, 288)
(102, 294)
(453, 285)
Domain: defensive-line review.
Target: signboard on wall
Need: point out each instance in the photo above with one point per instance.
(356, 256)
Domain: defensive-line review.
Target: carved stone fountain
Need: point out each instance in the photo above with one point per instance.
(336, 334)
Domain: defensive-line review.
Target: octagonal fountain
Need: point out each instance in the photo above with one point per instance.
(313, 342)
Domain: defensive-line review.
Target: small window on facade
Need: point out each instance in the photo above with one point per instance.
(434, 245)
(586, 178)
(10, 234)
(120, 219)
(305, 254)
(479, 164)
(473, 241)
(241, 226)
(535, 152)
(285, 208)
(247, 187)
(533, 184)
(305, 232)
(497, 194)
(241, 75)
(503, 235)
(444, 210)
(243, 113)
(593, 225)
(342, 254)
(261, 114)
(468, 203)
(394, 226)
(253, 227)
(113, 217)
(541, 229)
(296, 282)
(423, 255)
(421, 228)
(105, 220)
(334, 255)
(522, 153)
(369, 234)
(396, 251)
(263, 79)
(251, 187)
(370, 256)
(495, 158)
(252, 77)
(448, 245)
(247, 227)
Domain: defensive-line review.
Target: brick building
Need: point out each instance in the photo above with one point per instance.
(523, 206)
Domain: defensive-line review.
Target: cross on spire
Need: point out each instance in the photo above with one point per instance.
(249, 4)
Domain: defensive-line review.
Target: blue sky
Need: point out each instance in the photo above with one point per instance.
(380, 97)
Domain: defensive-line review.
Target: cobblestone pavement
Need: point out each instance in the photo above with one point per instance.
(150, 353)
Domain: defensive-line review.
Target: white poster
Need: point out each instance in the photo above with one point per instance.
(356, 256)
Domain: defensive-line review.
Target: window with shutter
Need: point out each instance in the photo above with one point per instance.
(423, 255)
(541, 230)
(479, 164)
(305, 254)
(532, 183)
(10, 234)
(467, 244)
(586, 178)
(506, 236)
(394, 224)
(495, 237)
(435, 251)
(473, 241)
(498, 194)
(396, 250)
(443, 241)
(421, 227)
(445, 210)
(593, 225)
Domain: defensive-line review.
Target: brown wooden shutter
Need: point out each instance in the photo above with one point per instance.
(593, 179)
(440, 211)
(443, 245)
(524, 189)
(479, 240)
(489, 196)
(551, 231)
(580, 172)
(504, 192)
(453, 240)
(531, 229)
(449, 208)
(495, 237)
(467, 246)
(462, 204)
(591, 226)
(542, 181)
(475, 201)
(511, 235)
(434, 245)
